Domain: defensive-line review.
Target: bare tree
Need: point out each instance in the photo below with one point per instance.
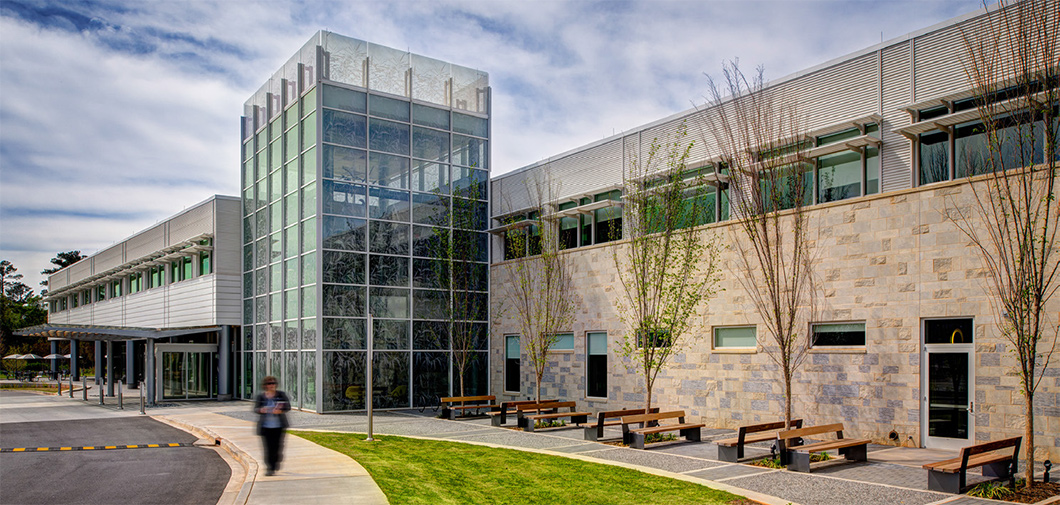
(667, 267)
(759, 135)
(1012, 222)
(540, 292)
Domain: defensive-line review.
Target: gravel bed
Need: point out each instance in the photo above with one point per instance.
(813, 490)
(728, 471)
(586, 447)
(652, 459)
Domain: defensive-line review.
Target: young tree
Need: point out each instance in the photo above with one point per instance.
(1012, 220)
(19, 308)
(464, 276)
(540, 291)
(759, 135)
(667, 268)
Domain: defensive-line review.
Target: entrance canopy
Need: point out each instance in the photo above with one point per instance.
(105, 333)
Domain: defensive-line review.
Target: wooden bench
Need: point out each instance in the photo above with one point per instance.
(449, 406)
(796, 455)
(548, 411)
(499, 416)
(731, 449)
(595, 431)
(948, 476)
(635, 437)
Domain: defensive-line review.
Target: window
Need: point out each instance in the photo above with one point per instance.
(609, 219)
(156, 277)
(204, 263)
(511, 363)
(838, 335)
(568, 228)
(73, 301)
(564, 342)
(735, 337)
(654, 338)
(844, 174)
(596, 368)
(136, 282)
(115, 289)
(101, 292)
(62, 303)
(782, 187)
(181, 269)
(86, 297)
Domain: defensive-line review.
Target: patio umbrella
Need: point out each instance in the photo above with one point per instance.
(14, 356)
(31, 356)
(53, 356)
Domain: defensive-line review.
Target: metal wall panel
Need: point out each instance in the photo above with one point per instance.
(838, 93)
(228, 237)
(937, 68)
(897, 93)
(146, 242)
(192, 302)
(108, 258)
(192, 222)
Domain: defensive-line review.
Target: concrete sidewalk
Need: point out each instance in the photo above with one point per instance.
(309, 473)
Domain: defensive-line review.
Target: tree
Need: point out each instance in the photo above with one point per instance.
(1012, 221)
(540, 291)
(667, 268)
(758, 134)
(61, 261)
(19, 308)
(463, 275)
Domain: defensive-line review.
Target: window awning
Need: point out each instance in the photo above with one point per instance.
(947, 122)
(104, 333)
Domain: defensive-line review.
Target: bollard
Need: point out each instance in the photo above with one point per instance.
(121, 403)
(59, 382)
(102, 384)
(84, 388)
(71, 388)
(1048, 465)
(142, 401)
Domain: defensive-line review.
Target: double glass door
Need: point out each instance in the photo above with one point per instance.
(947, 379)
(187, 375)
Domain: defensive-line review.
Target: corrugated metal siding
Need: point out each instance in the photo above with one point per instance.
(79, 271)
(193, 222)
(146, 242)
(938, 70)
(587, 171)
(229, 299)
(228, 235)
(192, 302)
(107, 313)
(145, 309)
(837, 93)
(897, 93)
(109, 258)
(666, 133)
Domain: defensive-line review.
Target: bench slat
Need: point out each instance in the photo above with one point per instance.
(462, 399)
(811, 430)
(830, 445)
(666, 427)
(954, 465)
(749, 439)
(558, 414)
(643, 418)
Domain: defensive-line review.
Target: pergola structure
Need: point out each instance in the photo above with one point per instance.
(107, 335)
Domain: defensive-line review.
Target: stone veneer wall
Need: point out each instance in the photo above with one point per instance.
(888, 260)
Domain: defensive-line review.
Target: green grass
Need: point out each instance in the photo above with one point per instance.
(432, 472)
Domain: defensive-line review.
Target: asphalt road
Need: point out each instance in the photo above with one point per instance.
(162, 475)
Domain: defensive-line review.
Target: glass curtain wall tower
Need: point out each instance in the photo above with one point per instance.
(365, 191)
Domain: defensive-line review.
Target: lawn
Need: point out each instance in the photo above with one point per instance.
(428, 471)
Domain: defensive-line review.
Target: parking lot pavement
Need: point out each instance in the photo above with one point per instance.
(55, 467)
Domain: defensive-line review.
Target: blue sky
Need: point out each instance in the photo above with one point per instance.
(117, 114)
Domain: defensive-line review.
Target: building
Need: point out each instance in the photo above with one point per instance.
(905, 341)
(165, 301)
(361, 166)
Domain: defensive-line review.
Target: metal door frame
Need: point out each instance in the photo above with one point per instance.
(926, 349)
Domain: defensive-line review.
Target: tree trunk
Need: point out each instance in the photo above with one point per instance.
(647, 406)
(462, 381)
(787, 400)
(538, 389)
(1028, 438)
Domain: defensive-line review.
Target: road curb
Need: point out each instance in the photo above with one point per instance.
(243, 482)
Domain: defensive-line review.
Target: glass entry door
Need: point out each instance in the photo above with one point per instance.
(187, 375)
(947, 383)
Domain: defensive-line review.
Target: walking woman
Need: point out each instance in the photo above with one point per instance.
(272, 406)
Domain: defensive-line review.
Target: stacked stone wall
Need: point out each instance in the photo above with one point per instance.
(889, 261)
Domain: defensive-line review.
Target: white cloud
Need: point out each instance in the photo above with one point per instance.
(129, 123)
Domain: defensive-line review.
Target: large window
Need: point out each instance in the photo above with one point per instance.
(511, 363)
(564, 342)
(136, 282)
(735, 337)
(654, 338)
(838, 335)
(608, 219)
(596, 366)
(181, 269)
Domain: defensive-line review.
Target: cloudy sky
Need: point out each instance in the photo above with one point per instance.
(117, 114)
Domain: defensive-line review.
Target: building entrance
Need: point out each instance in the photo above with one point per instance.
(187, 371)
(947, 372)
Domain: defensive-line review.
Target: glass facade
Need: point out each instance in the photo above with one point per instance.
(364, 190)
